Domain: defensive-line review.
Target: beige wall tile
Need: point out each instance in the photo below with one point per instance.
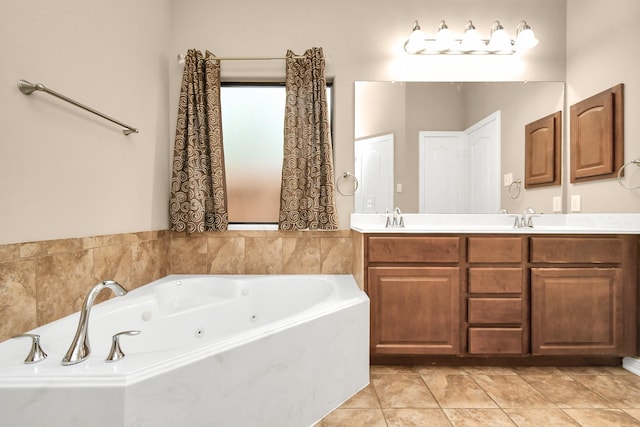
(17, 297)
(336, 253)
(189, 255)
(300, 255)
(150, 261)
(263, 255)
(226, 255)
(9, 252)
(62, 282)
(113, 263)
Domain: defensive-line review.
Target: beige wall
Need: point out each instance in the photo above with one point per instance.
(363, 40)
(602, 51)
(65, 172)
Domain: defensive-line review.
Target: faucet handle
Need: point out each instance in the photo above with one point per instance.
(116, 352)
(36, 354)
(516, 223)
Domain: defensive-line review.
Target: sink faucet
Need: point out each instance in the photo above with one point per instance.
(526, 220)
(527, 217)
(80, 348)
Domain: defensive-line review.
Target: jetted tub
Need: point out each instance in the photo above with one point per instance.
(222, 350)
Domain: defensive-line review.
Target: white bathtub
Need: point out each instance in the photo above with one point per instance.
(213, 351)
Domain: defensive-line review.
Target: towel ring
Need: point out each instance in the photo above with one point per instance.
(344, 176)
(514, 189)
(635, 162)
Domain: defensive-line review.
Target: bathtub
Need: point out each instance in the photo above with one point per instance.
(222, 350)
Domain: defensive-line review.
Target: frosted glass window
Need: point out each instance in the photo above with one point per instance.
(253, 137)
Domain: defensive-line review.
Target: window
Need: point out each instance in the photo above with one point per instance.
(253, 138)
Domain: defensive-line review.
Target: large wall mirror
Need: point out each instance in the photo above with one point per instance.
(449, 147)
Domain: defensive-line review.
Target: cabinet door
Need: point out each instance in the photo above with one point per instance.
(414, 310)
(576, 311)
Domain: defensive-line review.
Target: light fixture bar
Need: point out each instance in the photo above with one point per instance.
(470, 42)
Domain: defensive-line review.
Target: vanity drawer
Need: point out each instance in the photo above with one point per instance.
(493, 280)
(495, 310)
(413, 249)
(495, 249)
(563, 250)
(496, 341)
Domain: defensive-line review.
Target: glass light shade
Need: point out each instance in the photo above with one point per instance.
(500, 42)
(525, 39)
(416, 42)
(471, 40)
(444, 39)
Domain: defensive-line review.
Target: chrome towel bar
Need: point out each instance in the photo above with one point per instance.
(28, 88)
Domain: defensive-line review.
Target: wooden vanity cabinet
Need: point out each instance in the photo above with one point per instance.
(520, 296)
(583, 293)
(414, 287)
(497, 304)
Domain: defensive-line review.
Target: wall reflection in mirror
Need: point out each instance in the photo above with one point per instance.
(448, 147)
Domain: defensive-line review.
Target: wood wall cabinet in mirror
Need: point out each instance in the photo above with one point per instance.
(543, 151)
(597, 136)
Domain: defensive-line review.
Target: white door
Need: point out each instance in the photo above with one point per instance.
(460, 171)
(374, 172)
(443, 174)
(483, 140)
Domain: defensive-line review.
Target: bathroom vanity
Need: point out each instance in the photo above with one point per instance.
(496, 293)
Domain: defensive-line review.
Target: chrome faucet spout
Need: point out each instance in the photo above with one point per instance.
(80, 349)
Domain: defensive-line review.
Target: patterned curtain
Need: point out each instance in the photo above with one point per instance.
(307, 197)
(198, 200)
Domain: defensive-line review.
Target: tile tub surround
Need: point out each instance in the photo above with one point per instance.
(492, 396)
(46, 280)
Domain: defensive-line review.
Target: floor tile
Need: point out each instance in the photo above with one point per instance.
(489, 370)
(478, 417)
(416, 418)
(458, 391)
(620, 391)
(584, 370)
(540, 417)
(537, 370)
(602, 417)
(635, 413)
(402, 391)
(565, 392)
(391, 369)
(426, 371)
(365, 399)
(354, 418)
(479, 396)
(511, 391)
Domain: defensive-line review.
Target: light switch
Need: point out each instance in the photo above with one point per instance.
(398, 188)
(557, 204)
(576, 203)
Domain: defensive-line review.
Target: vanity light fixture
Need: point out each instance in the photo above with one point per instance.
(471, 42)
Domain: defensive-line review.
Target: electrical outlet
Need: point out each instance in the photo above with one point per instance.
(576, 203)
(507, 179)
(557, 204)
(398, 188)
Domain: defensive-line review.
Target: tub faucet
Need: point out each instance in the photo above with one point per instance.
(80, 348)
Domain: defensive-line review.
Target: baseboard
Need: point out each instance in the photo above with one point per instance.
(631, 364)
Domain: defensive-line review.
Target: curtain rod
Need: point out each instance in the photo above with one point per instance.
(244, 58)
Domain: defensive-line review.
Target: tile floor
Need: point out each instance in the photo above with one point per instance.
(488, 396)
